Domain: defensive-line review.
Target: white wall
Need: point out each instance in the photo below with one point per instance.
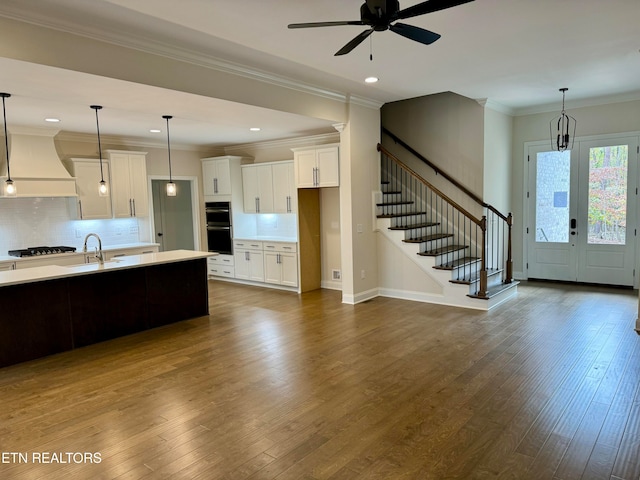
(498, 149)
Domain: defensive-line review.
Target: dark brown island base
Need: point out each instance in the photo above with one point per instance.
(52, 309)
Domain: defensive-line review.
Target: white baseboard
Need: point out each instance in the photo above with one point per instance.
(360, 297)
(331, 285)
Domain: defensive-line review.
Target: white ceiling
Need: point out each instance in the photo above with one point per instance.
(516, 53)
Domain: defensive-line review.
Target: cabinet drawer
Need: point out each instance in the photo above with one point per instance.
(247, 244)
(281, 247)
(221, 260)
(221, 271)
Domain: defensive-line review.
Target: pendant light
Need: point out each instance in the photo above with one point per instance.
(171, 186)
(103, 188)
(9, 186)
(564, 125)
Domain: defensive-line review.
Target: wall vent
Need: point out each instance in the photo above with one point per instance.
(335, 274)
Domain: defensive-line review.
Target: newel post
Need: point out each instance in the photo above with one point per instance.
(483, 261)
(509, 278)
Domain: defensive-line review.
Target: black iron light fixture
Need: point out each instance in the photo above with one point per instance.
(171, 186)
(103, 188)
(9, 186)
(565, 129)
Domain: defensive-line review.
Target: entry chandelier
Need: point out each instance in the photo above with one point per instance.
(9, 188)
(103, 188)
(171, 186)
(565, 126)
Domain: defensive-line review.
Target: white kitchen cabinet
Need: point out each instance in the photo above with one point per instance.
(123, 252)
(89, 205)
(129, 183)
(285, 198)
(249, 260)
(216, 174)
(257, 188)
(281, 264)
(221, 266)
(317, 167)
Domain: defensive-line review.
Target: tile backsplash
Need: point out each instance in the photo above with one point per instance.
(32, 222)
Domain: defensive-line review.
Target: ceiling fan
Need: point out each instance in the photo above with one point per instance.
(380, 14)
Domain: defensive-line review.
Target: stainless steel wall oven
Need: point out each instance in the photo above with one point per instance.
(219, 227)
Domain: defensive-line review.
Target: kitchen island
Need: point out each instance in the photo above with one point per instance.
(46, 310)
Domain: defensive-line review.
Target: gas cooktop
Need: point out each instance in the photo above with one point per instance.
(37, 251)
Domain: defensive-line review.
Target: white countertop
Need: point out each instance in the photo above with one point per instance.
(268, 239)
(52, 272)
(105, 248)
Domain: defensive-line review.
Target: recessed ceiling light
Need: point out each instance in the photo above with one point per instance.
(255, 129)
(155, 130)
(371, 79)
(52, 120)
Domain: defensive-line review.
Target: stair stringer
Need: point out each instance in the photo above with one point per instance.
(451, 294)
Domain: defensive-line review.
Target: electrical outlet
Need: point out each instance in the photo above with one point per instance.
(363, 274)
(336, 274)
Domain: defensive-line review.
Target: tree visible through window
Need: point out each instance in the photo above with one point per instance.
(608, 194)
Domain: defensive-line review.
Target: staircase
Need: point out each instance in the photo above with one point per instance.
(468, 255)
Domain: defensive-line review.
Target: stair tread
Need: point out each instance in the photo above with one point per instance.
(389, 204)
(392, 193)
(475, 277)
(498, 289)
(441, 250)
(404, 214)
(428, 238)
(460, 262)
(414, 226)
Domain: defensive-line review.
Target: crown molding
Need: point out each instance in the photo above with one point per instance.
(493, 105)
(127, 141)
(365, 102)
(580, 103)
(287, 143)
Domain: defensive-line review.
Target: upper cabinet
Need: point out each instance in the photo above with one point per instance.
(257, 188)
(129, 183)
(221, 178)
(285, 199)
(269, 188)
(317, 166)
(89, 204)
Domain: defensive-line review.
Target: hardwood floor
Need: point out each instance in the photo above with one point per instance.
(274, 385)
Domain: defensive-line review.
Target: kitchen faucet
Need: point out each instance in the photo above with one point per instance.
(99, 254)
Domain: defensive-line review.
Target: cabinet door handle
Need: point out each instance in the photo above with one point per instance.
(257, 205)
(215, 185)
(246, 256)
(134, 207)
(288, 204)
(80, 206)
(130, 209)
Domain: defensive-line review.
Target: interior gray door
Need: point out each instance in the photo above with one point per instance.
(173, 216)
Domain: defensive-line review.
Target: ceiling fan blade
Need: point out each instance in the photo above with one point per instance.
(325, 24)
(354, 43)
(428, 7)
(415, 33)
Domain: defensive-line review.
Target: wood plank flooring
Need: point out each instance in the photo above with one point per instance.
(275, 385)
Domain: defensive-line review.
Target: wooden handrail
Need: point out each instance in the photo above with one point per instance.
(439, 171)
(451, 202)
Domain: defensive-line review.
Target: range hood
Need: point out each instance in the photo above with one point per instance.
(36, 169)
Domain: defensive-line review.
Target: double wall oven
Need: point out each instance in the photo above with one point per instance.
(219, 228)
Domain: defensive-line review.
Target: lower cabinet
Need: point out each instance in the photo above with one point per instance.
(249, 260)
(281, 264)
(6, 266)
(221, 266)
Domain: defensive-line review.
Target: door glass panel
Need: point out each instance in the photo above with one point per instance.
(552, 196)
(608, 194)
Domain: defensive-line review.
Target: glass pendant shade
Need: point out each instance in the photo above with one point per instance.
(171, 189)
(103, 189)
(10, 189)
(562, 129)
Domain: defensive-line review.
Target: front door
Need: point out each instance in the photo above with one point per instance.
(582, 210)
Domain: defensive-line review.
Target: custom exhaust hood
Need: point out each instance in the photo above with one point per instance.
(36, 168)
